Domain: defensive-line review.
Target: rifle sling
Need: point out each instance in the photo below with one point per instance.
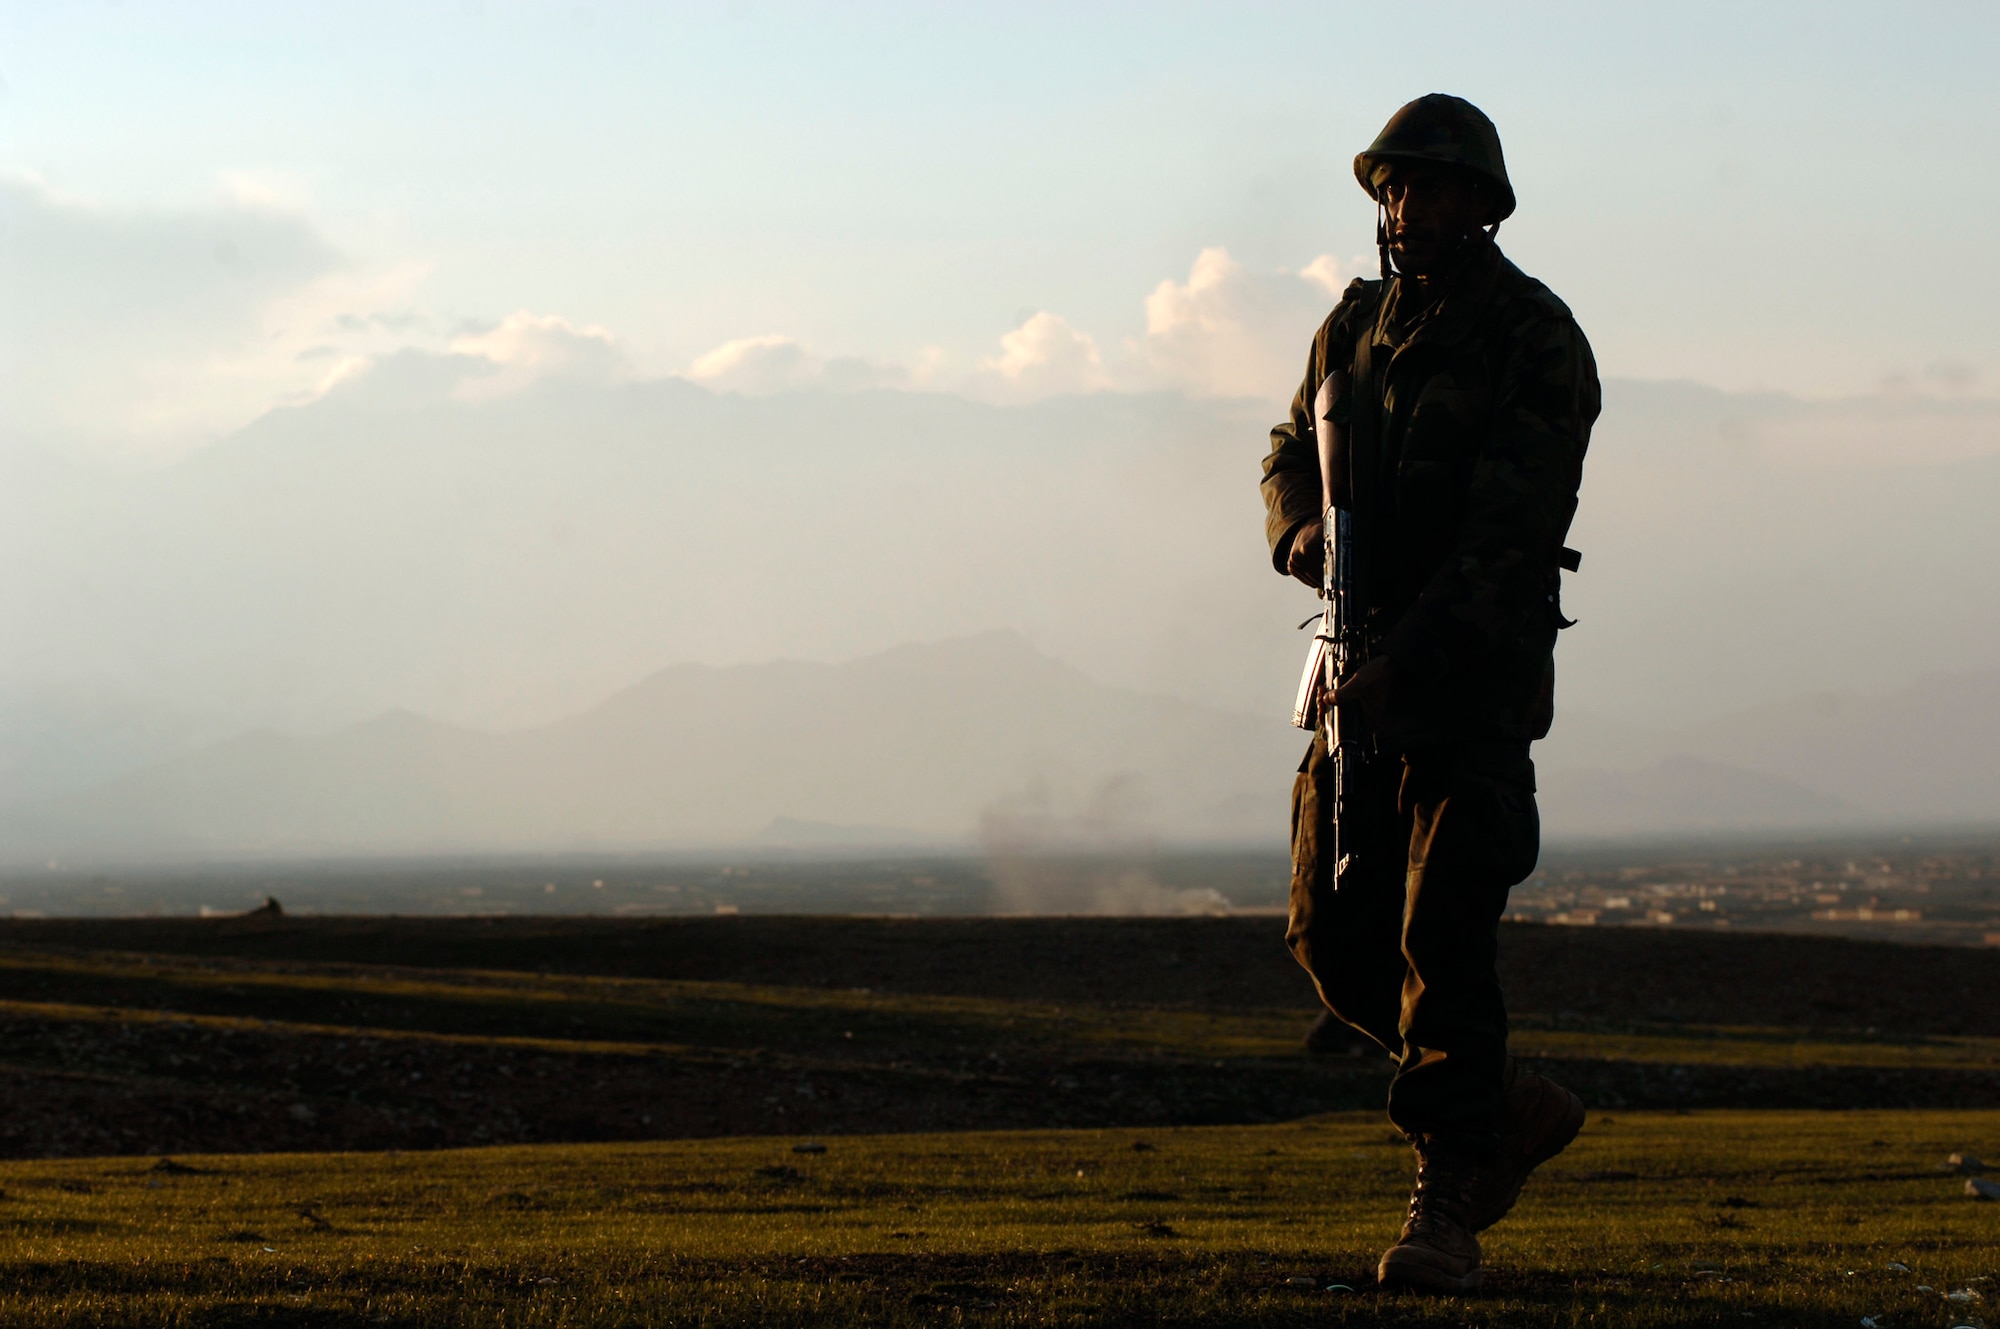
(1364, 460)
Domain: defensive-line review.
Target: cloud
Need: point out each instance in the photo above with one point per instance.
(525, 347)
(1230, 332)
(756, 366)
(153, 331)
(319, 334)
(1940, 376)
(1896, 429)
(1224, 332)
(1044, 357)
(1325, 272)
(262, 189)
(156, 329)
(770, 363)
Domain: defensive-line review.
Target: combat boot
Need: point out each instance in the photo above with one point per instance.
(1437, 1250)
(1540, 1119)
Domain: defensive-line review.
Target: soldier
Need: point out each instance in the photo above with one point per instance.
(1465, 394)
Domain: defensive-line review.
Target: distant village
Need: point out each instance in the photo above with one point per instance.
(1926, 893)
(1937, 892)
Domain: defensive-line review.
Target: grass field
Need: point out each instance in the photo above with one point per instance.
(1649, 1220)
(585, 1122)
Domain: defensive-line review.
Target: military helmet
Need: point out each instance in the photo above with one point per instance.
(1440, 128)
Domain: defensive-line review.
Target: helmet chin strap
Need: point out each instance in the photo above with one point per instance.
(1388, 266)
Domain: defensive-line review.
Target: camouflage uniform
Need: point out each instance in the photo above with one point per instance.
(1468, 420)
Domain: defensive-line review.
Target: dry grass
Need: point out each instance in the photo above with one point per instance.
(1650, 1219)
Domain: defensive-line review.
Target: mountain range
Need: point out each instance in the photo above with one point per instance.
(947, 742)
(409, 614)
(978, 740)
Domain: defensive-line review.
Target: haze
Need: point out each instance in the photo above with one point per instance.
(478, 363)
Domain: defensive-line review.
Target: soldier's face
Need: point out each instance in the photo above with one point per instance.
(1432, 210)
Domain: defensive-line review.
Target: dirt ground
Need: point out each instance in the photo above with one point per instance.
(1198, 963)
(258, 1034)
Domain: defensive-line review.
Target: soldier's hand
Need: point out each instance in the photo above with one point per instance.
(1307, 559)
(1363, 696)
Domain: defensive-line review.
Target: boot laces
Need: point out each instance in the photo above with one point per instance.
(1439, 1199)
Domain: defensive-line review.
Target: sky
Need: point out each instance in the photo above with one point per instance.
(212, 209)
(480, 358)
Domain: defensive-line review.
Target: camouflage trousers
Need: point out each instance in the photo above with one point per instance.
(1406, 950)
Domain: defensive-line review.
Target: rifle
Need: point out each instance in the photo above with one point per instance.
(1340, 646)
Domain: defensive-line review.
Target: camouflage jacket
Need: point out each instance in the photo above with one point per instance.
(1468, 431)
